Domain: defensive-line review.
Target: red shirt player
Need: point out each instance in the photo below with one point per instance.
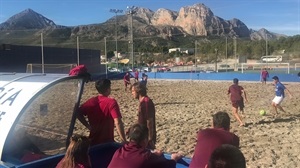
(146, 113)
(126, 80)
(237, 100)
(102, 113)
(211, 138)
(264, 75)
(136, 75)
(135, 154)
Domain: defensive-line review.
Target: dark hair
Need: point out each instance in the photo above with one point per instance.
(227, 156)
(77, 152)
(235, 80)
(221, 120)
(275, 78)
(102, 85)
(138, 133)
(140, 88)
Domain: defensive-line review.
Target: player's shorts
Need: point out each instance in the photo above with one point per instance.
(277, 99)
(264, 79)
(238, 104)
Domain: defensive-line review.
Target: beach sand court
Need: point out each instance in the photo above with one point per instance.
(184, 107)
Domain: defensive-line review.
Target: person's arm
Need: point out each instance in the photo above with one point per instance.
(82, 119)
(245, 95)
(289, 92)
(150, 125)
(120, 128)
(176, 156)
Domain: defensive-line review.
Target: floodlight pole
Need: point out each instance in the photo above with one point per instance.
(42, 47)
(130, 11)
(196, 42)
(116, 11)
(77, 50)
(235, 58)
(266, 44)
(226, 53)
(105, 56)
(216, 61)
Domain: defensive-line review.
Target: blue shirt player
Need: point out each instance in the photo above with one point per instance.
(279, 94)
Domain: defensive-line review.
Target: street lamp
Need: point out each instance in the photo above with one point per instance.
(130, 11)
(116, 11)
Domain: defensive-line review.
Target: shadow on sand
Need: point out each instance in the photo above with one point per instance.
(275, 120)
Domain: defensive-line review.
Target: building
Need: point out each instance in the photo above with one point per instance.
(182, 50)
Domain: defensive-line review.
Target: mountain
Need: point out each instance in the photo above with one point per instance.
(189, 22)
(263, 34)
(28, 19)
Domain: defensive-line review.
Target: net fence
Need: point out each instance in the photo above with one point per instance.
(50, 68)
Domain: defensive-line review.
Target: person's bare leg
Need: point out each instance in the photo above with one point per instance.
(236, 115)
(280, 108)
(274, 105)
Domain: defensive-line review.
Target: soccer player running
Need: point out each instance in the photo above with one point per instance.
(279, 94)
(236, 91)
(146, 113)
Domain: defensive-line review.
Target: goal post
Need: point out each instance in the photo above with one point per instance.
(50, 68)
(278, 67)
(296, 66)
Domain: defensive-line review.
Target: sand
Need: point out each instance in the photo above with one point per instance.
(184, 107)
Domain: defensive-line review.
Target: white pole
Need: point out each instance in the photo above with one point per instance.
(77, 50)
(105, 56)
(226, 54)
(195, 56)
(266, 44)
(235, 59)
(42, 47)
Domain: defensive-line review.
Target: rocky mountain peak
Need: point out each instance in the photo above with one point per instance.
(164, 17)
(144, 13)
(263, 34)
(27, 19)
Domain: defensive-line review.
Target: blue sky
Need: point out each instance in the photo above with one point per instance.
(278, 16)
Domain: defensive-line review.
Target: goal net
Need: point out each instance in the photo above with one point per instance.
(273, 67)
(50, 68)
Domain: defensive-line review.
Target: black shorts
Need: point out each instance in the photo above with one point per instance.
(238, 104)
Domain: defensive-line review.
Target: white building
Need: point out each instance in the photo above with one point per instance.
(182, 50)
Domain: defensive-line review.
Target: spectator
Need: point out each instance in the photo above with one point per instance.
(227, 156)
(146, 113)
(211, 138)
(77, 154)
(135, 154)
(102, 113)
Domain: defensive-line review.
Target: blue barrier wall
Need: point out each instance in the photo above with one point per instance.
(222, 76)
(205, 76)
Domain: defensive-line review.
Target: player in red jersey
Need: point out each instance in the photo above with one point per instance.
(237, 99)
